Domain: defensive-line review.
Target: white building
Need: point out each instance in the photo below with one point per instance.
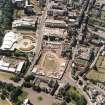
(6, 66)
(24, 22)
(9, 41)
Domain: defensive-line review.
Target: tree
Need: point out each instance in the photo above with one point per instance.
(29, 77)
(36, 88)
(2, 97)
(15, 93)
(80, 82)
(67, 97)
(7, 14)
(40, 98)
(10, 87)
(63, 103)
(16, 78)
(82, 101)
(19, 103)
(27, 84)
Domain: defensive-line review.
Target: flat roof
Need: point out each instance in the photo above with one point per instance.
(55, 21)
(54, 32)
(11, 64)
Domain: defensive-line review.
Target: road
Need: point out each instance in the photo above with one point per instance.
(40, 39)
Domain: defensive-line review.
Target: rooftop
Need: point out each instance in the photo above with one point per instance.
(13, 65)
(57, 32)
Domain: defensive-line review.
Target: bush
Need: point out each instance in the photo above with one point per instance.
(80, 82)
(40, 98)
(36, 88)
(15, 79)
(2, 97)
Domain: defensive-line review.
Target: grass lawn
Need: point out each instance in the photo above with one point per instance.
(74, 91)
(99, 61)
(98, 74)
(23, 96)
(6, 75)
(82, 61)
(4, 102)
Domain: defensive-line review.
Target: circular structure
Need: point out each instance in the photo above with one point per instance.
(26, 44)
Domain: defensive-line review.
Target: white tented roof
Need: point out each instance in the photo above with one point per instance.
(9, 40)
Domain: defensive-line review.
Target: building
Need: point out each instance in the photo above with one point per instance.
(55, 12)
(57, 9)
(55, 23)
(60, 1)
(9, 41)
(12, 65)
(25, 22)
(42, 3)
(19, 4)
(55, 33)
(21, 41)
(28, 8)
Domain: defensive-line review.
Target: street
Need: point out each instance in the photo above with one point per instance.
(40, 39)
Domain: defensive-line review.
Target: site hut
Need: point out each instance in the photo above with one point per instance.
(19, 4)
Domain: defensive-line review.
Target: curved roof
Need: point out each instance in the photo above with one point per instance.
(9, 40)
